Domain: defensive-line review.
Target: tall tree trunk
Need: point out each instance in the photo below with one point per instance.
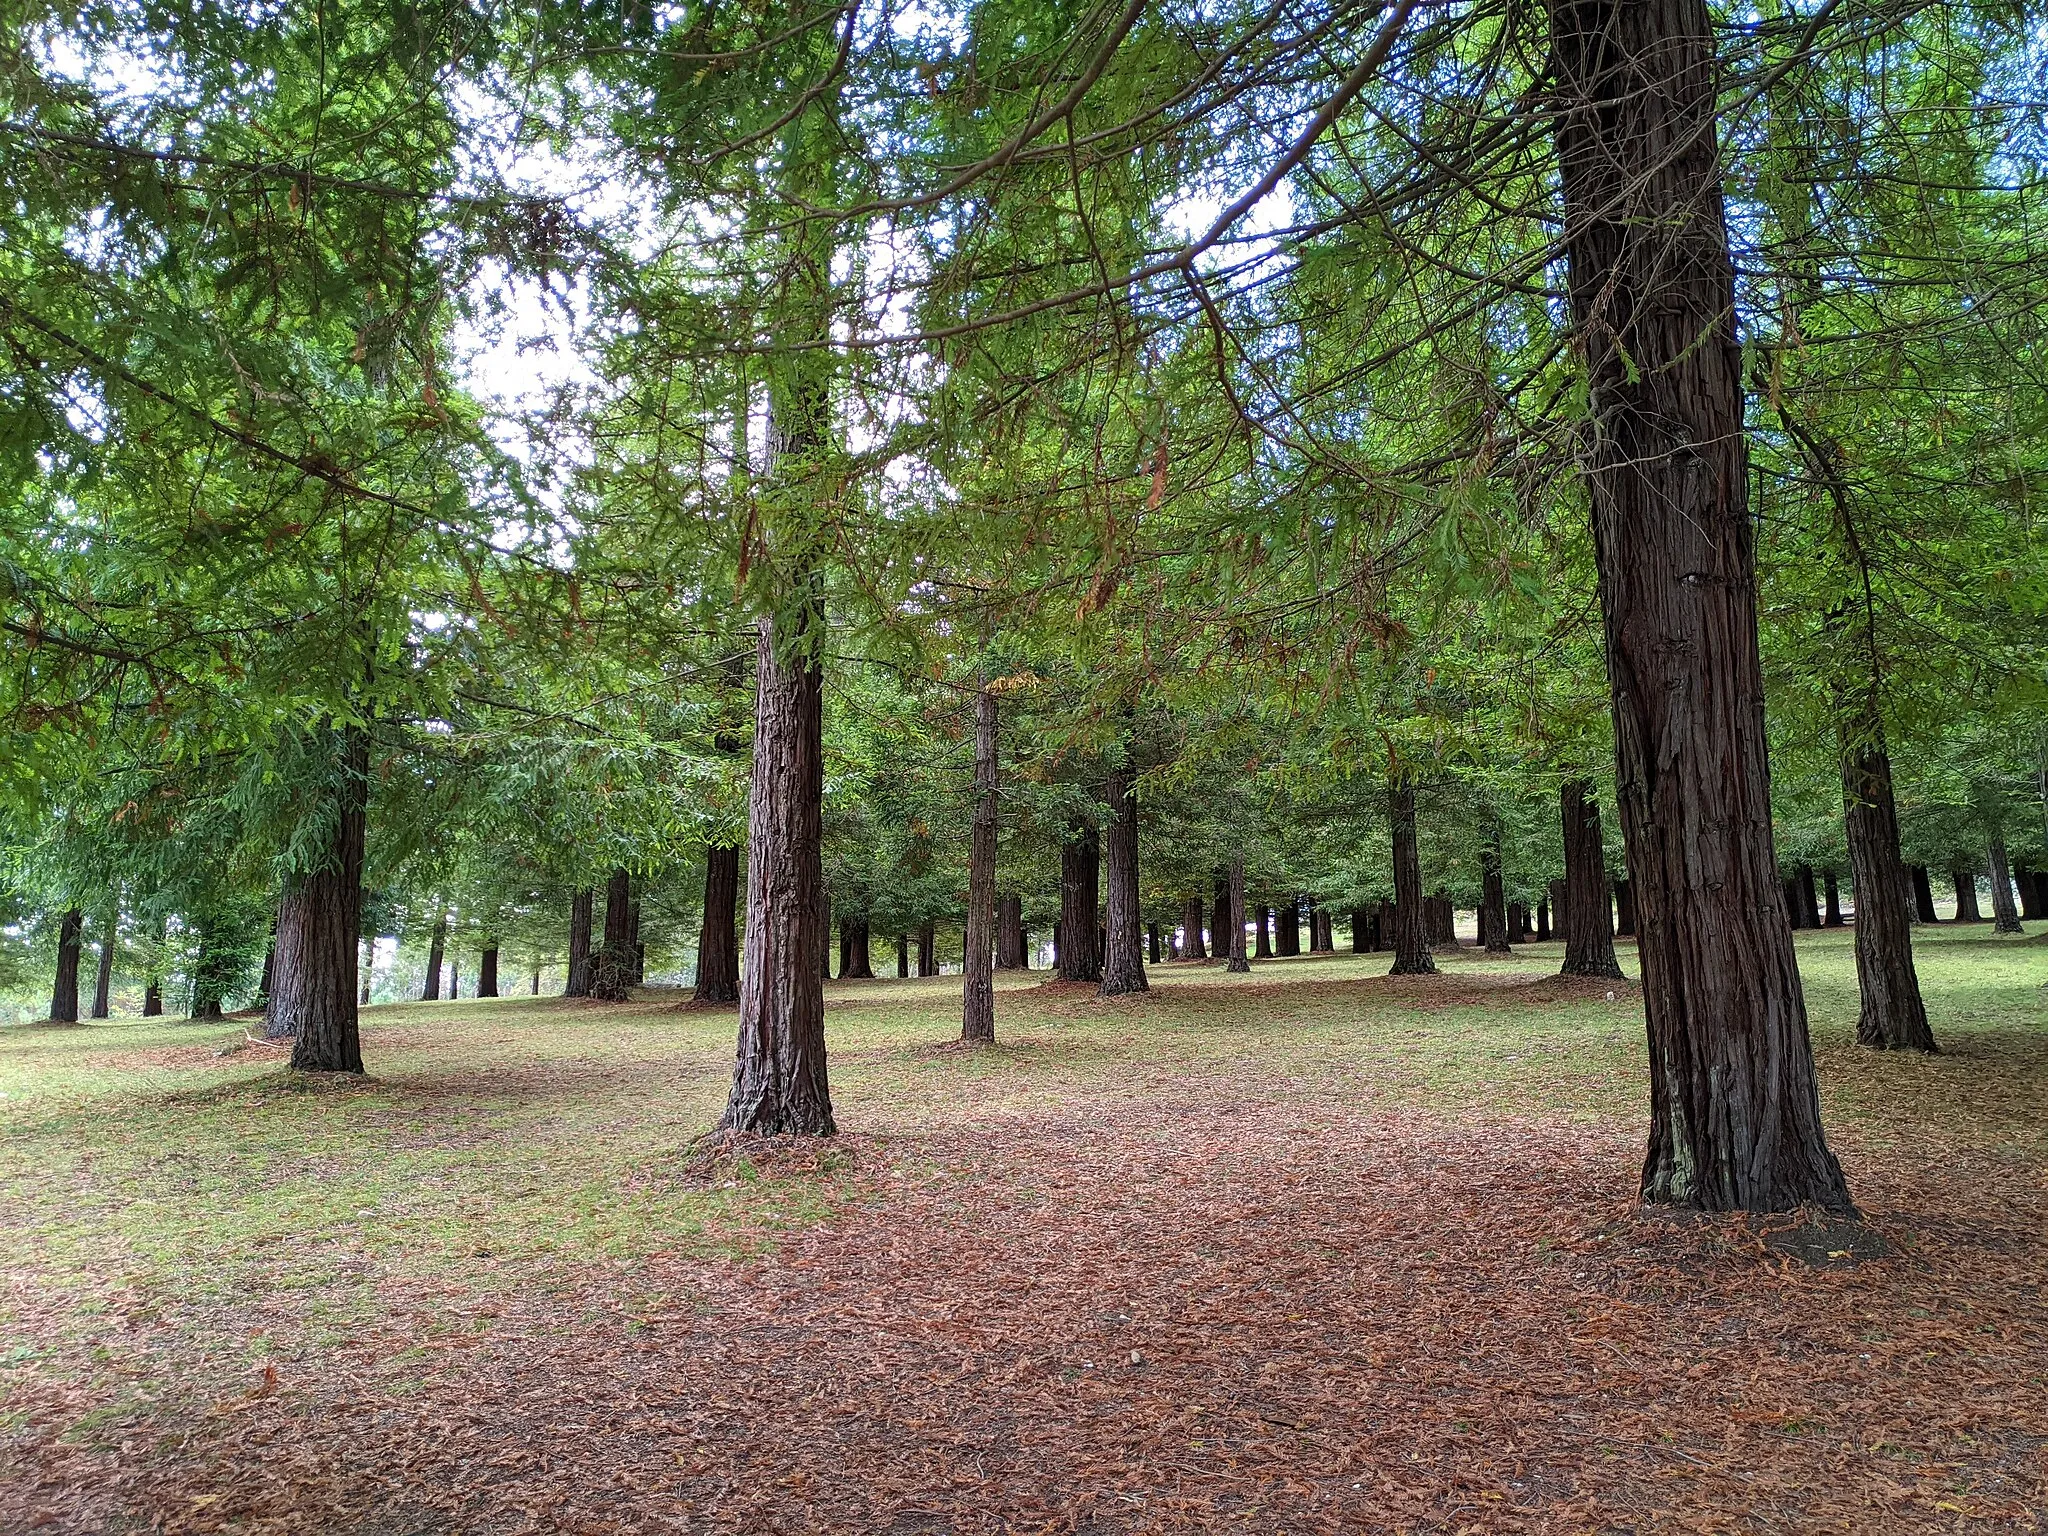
(1834, 894)
(978, 991)
(1625, 909)
(1493, 901)
(1966, 894)
(319, 920)
(487, 970)
(1287, 928)
(64, 990)
(1262, 933)
(856, 960)
(718, 942)
(2005, 916)
(1411, 931)
(103, 983)
(1239, 961)
(1543, 922)
(535, 989)
(902, 957)
(927, 949)
(1152, 943)
(153, 980)
(1123, 962)
(580, 905)
(1892, 1015)
(1219, 917)
(2030, 883)
(1923, 894)
(611, 970)
(454, 979)
(437, 947)
(1013, 947)
(1735, 1111)
(1588, 941)
(1518, 923)
(1191, 947)
(779, 1084)
(1080, 955)
(1809, 900)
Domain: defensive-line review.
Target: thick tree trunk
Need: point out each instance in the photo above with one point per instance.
(779, 1084)
(2005, 916)
(1239, 961)
(1543, 922)
(1191, 947)
(487, 971)
(1080, 954)
(64, 990)
(1966, 894)
(1493, 901)
(1152, 955)
(927, 949)
(611, 970)
(718, 942)
(902, 957)
(1833, 919)
(1624, 909)
(1287, 928)
(1123, 963)
(1219, 917)
(103, 982)
(2030, 883)
(1588, 941)
(319, 921)
(1361, 930)
(1892, 1015)
(1735, 1112)
(1411, 932)
(580, 906)
(1923, 894)
(1518, 923)
(1013, 944)
(437, 948)
(1321, 938)
(978, 991)
(856, 958)
(1809, 898)
(1262, 933)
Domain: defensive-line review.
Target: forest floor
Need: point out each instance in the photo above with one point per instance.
(1313, 1250)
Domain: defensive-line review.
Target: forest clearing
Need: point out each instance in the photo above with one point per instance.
(1317, 1250)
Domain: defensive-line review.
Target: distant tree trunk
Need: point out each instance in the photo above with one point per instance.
(978, 991)
(1493, 901)
(1809, 899)
(269, 968)
(2005, 916)
(902, 957)
(927, 949)
(103, 983)
(1361, 930)
(1834, 891)
(779, 1082)
(1518, 923)
(1123, 965)
(1892, 1015)
(1080, 957)
(1439, 921)
(1152, 943)
(822, 919)
(1262, 933)
(1967, 910)
(1191, 926)
(487, 970)
(1013, 945)
(1219, 917)
(206, 980)
(578, 983)
(319, 921)
(856, 959)
(153, 982)
(535, 990)
(437, 946)
(2030, 883)
(1543, 922)
(1411, 932)
(366, 954)
(64, 990)
(718, 942)
(1923, 894)
(1588, 941)
(1625, 909)
(635, 945)
(454, 980)
(611, 970)
(1239, 961)
(1287, 928)
(1320, 940)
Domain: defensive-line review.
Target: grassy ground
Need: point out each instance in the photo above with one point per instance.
(190, 1235)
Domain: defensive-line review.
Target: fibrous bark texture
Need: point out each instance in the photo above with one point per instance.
(856, 957)
(2005, 916)
(1123, 962)
(64, 989)
(778, 1081)
(1493, 901)
(437, 953)
(718, 941)
(1239, 960)
(1080, 952)
(103, 982)
(1013, 944)
(1191, 946)
(1588, 941)
(1892, 1015)
(580, 907)
(1923, 894)
(978, 992)
(1735, 1113)
(319, 919)
(1287, 927)
(1966, 894)
(611, 968)
(927, 949)
(1411, 933)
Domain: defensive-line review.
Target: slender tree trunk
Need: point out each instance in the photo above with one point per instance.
(1493, 902)
(1966, 894)
(366, 955)
(1923, 894)
(1834, 895)
(1013, 948)
(902, 957)
(779, 1084)
(1892, 1015)
(927, 949)
(1219, 917)
(1543, 922)
(437, 946)
(611, 970)
(1735, 1111)
(718, 943)
(1123, 963)
(487, 970)
(454, 979)
(1262, 933)
(103, 983)
(1411, 931)
(1080, 956)
(580, 906)
(636, 950)
(1625, 909)
(534, 991)
(1152, 943)
(319, 921)
(1239, 961)
(1191, 947)
(64, 990)
(153, 981)
(2030, 883)
(1809, 900)
(1588, 941)
(978, 992)
(2005, 916)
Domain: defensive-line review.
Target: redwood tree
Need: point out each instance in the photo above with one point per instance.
(718, 950)
(1123, 966)
(1238, 960)
(978, 992)
(64, 990)
(1588, 938)
(1080, 952)
(1735, 1111)
(319, 918)
(1891, 1015)
(1411, 935)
